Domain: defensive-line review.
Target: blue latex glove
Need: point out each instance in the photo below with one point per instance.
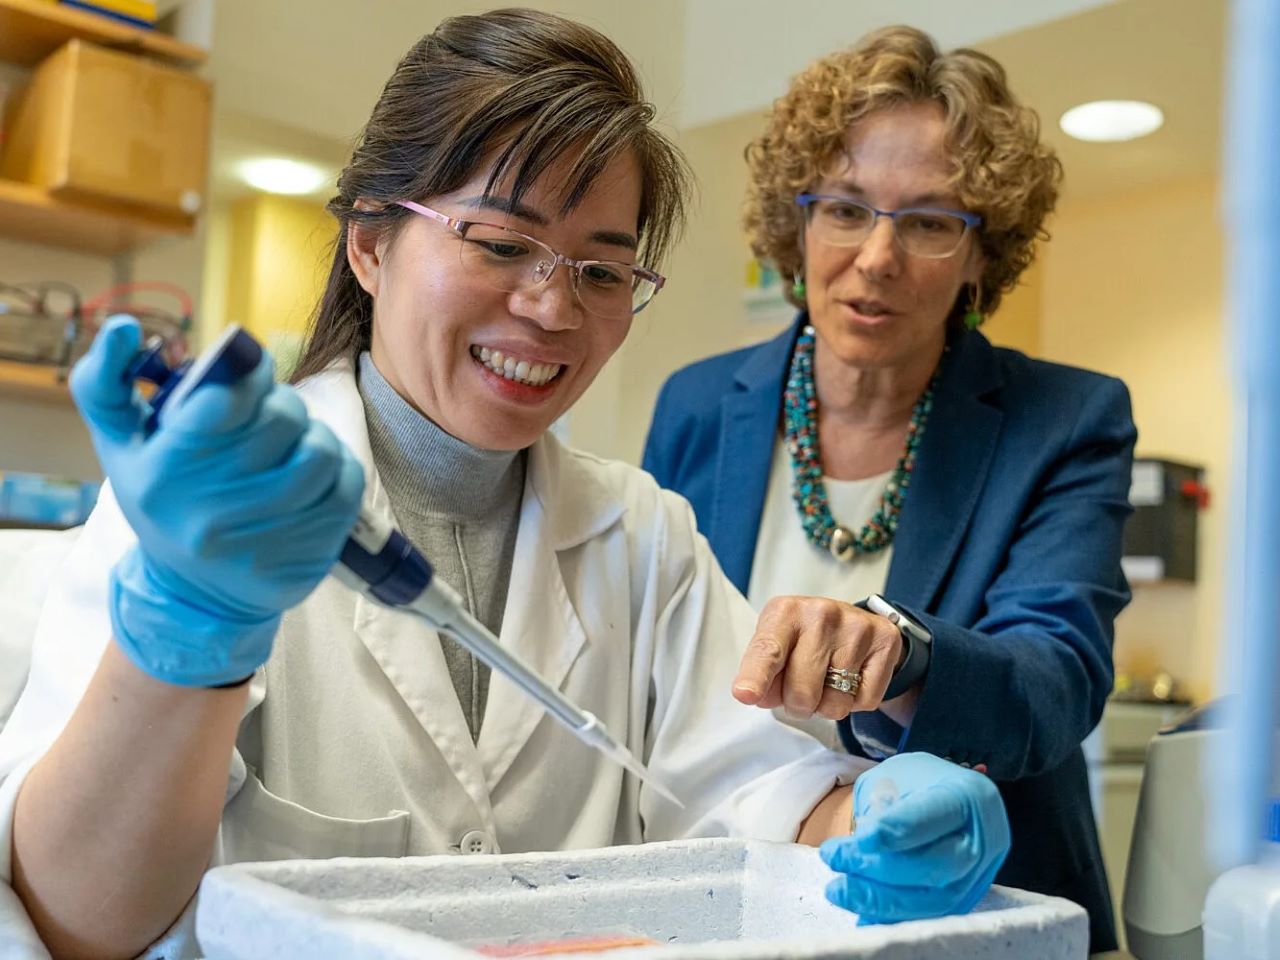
(929, 838)
(240, 502)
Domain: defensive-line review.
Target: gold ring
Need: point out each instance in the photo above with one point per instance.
(845, 681)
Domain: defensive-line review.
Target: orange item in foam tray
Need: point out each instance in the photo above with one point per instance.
(545, 948)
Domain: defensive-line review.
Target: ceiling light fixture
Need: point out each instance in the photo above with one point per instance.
(277, 175)
(1110, 121)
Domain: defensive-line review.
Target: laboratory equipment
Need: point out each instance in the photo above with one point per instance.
(380, 562)
(40, 323)
(1161, 536)
(1242, 910)
(1169, 874)
(145, 301)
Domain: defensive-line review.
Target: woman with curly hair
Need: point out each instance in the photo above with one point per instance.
(961, 505)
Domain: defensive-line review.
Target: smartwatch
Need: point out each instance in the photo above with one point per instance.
(916, 638)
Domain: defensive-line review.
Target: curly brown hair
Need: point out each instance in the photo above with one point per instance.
(1001, 170)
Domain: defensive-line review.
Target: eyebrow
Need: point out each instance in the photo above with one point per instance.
(929, 198)
(616, 238)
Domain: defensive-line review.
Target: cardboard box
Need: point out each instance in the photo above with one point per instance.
(100, 125)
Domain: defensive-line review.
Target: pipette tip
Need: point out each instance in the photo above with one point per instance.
(625, 757)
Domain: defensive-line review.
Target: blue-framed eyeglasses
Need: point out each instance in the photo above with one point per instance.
(932, 232)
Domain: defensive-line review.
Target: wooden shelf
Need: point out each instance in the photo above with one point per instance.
(8, 523)
(30, 30)
(35, 215)
(33, 381)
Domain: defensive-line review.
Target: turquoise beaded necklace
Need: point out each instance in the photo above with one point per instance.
(800, 415)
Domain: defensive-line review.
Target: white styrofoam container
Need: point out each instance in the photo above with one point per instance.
(700, 899)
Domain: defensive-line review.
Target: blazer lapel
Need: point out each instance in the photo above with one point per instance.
(951, 468)
(749, 419)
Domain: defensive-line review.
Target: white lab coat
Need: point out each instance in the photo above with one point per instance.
(353, 742)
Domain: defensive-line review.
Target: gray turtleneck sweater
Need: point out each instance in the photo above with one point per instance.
(459, 505)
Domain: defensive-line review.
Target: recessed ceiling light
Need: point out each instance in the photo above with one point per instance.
(1104, 121)
(277, 175)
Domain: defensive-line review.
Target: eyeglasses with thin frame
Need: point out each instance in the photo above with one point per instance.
(512, 261)
(932, 232)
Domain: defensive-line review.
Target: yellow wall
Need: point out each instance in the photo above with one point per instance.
(275, 264)
(1127, 285)
(699, 312)
(1017, 323)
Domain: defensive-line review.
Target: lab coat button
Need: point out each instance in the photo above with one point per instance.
(476, 841)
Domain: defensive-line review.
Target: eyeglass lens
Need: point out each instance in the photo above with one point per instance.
(923, 233)
(510, 261)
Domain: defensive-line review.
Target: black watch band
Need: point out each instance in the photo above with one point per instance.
(916, 638)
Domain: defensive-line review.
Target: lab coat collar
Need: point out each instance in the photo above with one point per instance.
(576, 504)
(565, 504)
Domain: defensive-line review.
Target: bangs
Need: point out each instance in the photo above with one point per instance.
(530, 123)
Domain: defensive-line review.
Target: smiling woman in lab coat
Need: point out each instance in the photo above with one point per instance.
(200, 691)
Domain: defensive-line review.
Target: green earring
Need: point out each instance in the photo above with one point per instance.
(973, 316)
(797, 288)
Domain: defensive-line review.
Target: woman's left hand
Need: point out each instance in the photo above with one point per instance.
(928, 841)
(799, 639)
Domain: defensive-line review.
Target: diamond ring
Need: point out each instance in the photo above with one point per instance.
(845, 681)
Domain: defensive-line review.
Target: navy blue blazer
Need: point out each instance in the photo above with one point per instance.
(1008, 549)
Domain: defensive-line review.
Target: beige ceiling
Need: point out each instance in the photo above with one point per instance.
(302, 86)
(1168, 52)
(310, 70)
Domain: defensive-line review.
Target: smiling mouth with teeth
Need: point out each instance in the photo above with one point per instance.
(521, 371)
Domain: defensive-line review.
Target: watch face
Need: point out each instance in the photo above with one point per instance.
(882, 607)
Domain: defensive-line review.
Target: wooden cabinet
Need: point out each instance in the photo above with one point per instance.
(70, 191)
(30, 30)
(96, 124)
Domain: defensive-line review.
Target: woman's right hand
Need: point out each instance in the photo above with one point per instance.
(798, 639)
(240, 502)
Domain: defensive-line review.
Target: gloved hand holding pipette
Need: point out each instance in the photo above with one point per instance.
(234, 465)
(284, 475)
(929, 837)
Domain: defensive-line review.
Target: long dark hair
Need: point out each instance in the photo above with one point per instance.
(531, 86)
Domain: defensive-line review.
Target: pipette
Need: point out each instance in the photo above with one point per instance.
(379, 561)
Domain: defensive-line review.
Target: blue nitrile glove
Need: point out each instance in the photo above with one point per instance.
(241, 504)
(929, 838)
